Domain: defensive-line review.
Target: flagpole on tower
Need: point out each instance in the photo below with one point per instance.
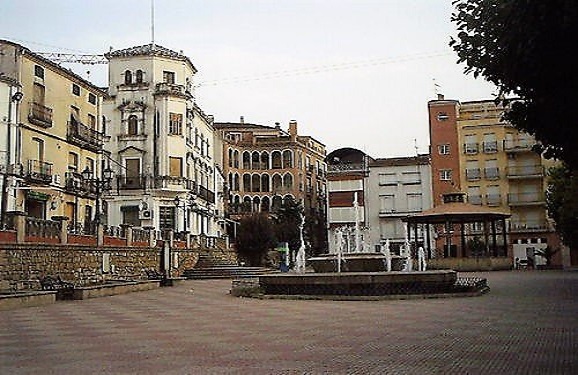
(153, 23)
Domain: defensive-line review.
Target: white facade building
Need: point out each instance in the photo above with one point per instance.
(396, 188)
(161, 144)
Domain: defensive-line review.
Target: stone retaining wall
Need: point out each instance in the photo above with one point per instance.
(470, 264)
(23, 265)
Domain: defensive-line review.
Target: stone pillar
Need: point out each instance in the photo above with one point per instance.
(188, 238)
(99, 234)
(152, 239)
(171, 238)
(19, 218)
(128, 235)
(63, 228)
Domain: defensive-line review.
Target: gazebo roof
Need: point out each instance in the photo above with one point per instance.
(457, 212)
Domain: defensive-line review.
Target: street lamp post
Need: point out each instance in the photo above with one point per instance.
(100, 185)
(188, 202)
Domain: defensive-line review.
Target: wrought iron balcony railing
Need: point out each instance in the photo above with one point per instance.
(525, 171)
(39, 171)
(40, 115)
(83, 136)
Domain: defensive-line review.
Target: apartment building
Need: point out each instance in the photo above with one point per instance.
(396, 188)
(55, 134)
(476, 152)
(347, 179)
(161, 144)
(264, 165)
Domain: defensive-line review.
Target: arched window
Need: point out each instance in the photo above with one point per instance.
(265, 204)
(246, 182)
(230, 158)
(236, 204)
(276, 202)
(246, 204)
(287, 159)
(231, 182)
(265, 160)
(255, 160)
(277, 183)
(139, 76)
(236, 159)
(236, 184)
(265, 182)
(288, 181)
(256, 204)
(127, 77)
(132, 126)
(256, 183)
(276, 159)
(246, 160)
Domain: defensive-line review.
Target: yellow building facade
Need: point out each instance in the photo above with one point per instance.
(500, 169)
(60, 134)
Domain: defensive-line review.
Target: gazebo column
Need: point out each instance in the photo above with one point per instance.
(486, 238)
(494, 239)
(427, 228)
(448, 239)
(463, 238)
(504, 233)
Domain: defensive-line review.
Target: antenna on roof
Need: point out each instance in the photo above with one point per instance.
(153, 23)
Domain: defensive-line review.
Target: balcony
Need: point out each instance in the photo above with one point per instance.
(519, 145)
(39, 171)
(493, 200)
(73, 184)
(473, 174)
(526, 199)
(525, 171)
(206, 194)
(490, 147)
(172, 89)
(475, 199)
(172, 182)
(83, 136)
(492, 173)
(529, 226)
(131, 182)
(471, 148)
(401, 213)
(40, 115)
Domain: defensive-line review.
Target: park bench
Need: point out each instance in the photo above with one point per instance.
(64, 289)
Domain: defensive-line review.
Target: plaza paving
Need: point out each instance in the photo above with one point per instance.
(527, 324)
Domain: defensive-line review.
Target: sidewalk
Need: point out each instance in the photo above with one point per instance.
(526, 324)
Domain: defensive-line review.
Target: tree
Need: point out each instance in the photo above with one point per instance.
(525, 48)
(255, 236)
(288, 220)
(562, 203)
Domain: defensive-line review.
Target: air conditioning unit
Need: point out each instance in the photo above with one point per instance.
(56, 179)
(145, 214)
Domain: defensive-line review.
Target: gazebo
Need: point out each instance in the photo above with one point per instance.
(456, 212)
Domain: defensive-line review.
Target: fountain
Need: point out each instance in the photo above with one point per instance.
(351, 271)
(300, 257)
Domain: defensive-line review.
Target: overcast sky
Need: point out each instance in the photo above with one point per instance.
(353, 73)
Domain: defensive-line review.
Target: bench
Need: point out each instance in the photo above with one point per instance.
(153, 274)
(64, 289)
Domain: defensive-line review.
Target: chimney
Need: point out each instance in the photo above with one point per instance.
(277, 126)
(440, 96)
(242, 120)
(293, 130)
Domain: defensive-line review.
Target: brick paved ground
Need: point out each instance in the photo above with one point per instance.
(527, 324)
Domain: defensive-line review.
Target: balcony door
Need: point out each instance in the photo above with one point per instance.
(132, 167)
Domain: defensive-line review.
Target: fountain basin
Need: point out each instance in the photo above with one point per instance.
(356, 262)
(359, 283)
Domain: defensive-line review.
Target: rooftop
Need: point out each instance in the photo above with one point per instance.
(150, 49)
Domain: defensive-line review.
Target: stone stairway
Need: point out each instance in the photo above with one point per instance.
(210, 266)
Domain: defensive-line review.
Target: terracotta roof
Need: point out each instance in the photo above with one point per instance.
(457, 212)
(150, 50)
(223, 125)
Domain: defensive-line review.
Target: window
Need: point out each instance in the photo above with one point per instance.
(91, 98)
(387, 179)
(139, 76)
(443, 116)
(39, 71)
(490, 144)
(445, 174)
(169, 77)
(90, 165)
(386, 203)
(414, 202)
(39, 94)
(72, 162)
(474, 195)
(175, 167)
(471, 144)
(130, 215)
(175, 123)
(473, 172)
(127, 77)
(444, 149)
(167, 217)
(92, 121)
(39, 148)
(410, 178)
(132, 125)
(76, 89)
